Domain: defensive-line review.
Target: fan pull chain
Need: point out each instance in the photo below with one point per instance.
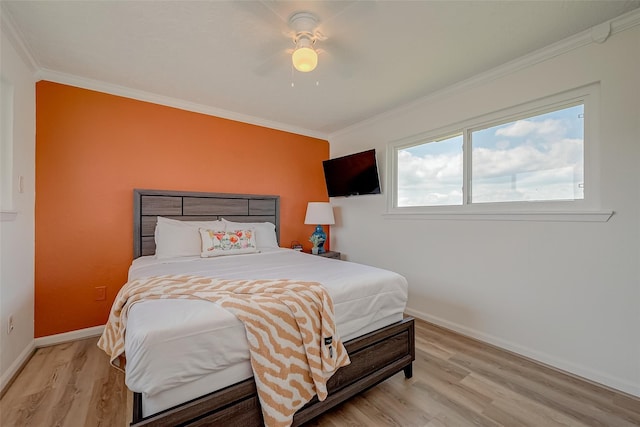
(293, 74)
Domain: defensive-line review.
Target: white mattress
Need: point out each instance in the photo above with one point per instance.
(177, 349)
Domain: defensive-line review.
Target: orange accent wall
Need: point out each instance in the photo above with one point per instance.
(93, 149)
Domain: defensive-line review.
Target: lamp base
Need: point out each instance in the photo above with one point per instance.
(321, 236)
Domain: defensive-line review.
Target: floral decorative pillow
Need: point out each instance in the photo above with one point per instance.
(227, 242)
(265, 232)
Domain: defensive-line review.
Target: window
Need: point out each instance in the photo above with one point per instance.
(430, 174)
(535, 157)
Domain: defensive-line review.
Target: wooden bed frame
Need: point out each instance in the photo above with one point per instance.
(374, 357)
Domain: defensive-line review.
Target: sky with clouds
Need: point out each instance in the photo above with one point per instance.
(539, 158)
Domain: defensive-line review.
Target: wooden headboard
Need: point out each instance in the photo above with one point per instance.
(193, 206)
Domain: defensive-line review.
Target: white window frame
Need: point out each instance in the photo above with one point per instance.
(587, 209)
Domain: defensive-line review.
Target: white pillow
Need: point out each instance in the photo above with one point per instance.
(180, 238)
(265, 232)
(229, 242)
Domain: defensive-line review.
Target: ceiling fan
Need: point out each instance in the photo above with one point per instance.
(305, 34)
(303, 27)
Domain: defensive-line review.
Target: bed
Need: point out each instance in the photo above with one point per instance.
(379, 340)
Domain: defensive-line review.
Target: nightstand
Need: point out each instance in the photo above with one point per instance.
(330, 254)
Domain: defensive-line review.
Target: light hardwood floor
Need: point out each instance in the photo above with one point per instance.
(456, 382)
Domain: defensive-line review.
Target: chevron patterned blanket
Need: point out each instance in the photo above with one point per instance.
(290, 328)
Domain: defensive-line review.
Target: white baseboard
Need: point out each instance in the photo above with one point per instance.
(69, 336)
(15, 367)
(563, 365)
(544, 358)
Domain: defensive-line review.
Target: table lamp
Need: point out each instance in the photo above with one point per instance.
(319, 213)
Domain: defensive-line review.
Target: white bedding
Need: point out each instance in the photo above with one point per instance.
(176, 349)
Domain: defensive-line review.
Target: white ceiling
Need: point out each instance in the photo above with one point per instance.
(231, 56)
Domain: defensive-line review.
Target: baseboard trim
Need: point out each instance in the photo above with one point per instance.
(582, 372)
(69, 336)
(12, 373)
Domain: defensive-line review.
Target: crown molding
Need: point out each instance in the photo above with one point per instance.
(626, 21)
(10, 30)
(112, 89)
(13, 35)
(584, 38)
(618, 24)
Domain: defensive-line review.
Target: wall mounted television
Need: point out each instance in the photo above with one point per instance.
(352, 175)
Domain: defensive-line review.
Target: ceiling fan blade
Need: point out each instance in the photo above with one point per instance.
(263, 12)
(334, 34)
(271, 35)
(339, 57)
(276, 61)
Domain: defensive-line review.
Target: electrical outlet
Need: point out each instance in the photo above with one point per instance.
(10, 325)
(101, 293)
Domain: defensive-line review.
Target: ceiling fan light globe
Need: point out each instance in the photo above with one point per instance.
(304, 59)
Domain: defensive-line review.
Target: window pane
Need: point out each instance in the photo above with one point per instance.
(533, 159)
(431, 174)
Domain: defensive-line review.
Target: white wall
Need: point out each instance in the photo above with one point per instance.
(17, 233)
(567, 294)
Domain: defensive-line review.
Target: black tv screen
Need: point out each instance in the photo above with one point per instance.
(352, 175)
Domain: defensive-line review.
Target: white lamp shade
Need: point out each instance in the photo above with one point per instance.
(319, 213)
